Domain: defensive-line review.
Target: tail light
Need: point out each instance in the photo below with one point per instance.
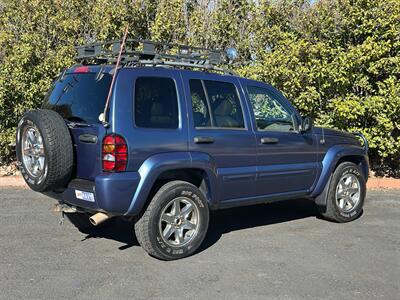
(114, 153)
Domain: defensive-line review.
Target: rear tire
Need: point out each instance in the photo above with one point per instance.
(175, 222)
(346, 194)
(44, 150)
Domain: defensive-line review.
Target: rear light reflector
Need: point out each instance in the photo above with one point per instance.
(114, 153)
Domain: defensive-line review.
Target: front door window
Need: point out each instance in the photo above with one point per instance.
(270, 113)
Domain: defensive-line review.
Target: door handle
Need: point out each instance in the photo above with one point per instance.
(88, 138)
(269, 140)
(204, 140)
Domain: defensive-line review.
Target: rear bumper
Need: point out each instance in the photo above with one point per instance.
(113, 192)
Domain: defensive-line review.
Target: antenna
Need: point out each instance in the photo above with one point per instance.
(322, 140)
(103, 118)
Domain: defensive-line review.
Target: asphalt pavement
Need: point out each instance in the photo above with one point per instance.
(273, 251)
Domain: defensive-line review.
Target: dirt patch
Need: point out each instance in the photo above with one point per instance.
(383, 183)
(12, 182)
(9, 170)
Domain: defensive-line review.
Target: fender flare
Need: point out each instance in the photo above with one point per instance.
(329, 163)
(155, 165)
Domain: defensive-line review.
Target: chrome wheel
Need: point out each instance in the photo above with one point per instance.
(348, 193)
(33, 156)
(179, 222)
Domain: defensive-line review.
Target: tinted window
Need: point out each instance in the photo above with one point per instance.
(156, 103)
(79, 97)
(269, 112)
(225, 104)
(201, 114)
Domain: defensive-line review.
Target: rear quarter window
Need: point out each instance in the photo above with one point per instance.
(156, 103)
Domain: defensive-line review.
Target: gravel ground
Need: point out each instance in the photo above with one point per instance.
(275, 251)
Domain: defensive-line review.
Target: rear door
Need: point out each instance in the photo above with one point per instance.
(287, 158)
(219, 126)
(79, 97)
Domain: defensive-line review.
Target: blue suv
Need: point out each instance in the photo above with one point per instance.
(173, 144)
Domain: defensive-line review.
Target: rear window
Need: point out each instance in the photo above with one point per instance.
(79, 97)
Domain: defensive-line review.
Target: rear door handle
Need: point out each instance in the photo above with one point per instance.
(204, 140)
(88, 138)
(269, 140)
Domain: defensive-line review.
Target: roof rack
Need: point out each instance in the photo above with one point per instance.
(147, 53)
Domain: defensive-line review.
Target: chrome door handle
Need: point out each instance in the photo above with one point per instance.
(204, 140)
(269, 140)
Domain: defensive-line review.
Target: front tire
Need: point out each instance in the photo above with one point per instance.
(346, 194)
(175, 223)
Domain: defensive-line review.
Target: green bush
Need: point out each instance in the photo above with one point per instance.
(336, 60)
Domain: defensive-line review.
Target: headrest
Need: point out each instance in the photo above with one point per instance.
(157, 109)
(224, 108)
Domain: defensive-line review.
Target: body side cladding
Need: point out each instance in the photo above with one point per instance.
(155, 165)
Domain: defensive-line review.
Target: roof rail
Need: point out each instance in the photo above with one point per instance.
(147, 53)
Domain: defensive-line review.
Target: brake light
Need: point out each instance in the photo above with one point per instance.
(114, 153)
(81, 69)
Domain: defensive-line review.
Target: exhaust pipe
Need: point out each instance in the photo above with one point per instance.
(99, 218)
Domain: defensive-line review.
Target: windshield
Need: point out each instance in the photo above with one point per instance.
(79, 97)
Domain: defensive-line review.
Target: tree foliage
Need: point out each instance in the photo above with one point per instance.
(336, 60)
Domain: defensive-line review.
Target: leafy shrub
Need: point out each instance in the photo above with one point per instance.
(336, 60)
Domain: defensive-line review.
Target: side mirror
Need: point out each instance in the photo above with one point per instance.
(306, 124)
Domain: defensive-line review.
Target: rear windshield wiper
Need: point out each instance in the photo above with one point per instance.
(78, 123)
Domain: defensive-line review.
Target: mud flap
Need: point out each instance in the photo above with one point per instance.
(322, 198)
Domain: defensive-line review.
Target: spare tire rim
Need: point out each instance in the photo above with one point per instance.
(33, 155)
(179, 222)
(348, 193)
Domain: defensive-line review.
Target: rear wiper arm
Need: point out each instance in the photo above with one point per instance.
(72, 124)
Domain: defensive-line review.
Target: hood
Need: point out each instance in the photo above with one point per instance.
(338, 136)
(334, 132)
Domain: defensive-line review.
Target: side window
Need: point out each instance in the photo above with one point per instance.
(224, 104)
(269, 112)
(156, 103)
(201, 113)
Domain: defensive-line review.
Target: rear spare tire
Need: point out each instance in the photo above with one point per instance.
(44, 150)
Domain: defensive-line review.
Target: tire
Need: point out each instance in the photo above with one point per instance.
(51, 154)
(149, 228)
(344, 204)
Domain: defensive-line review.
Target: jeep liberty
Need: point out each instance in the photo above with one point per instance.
(171, 144)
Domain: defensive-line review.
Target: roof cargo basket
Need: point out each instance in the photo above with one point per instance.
(147, 53)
